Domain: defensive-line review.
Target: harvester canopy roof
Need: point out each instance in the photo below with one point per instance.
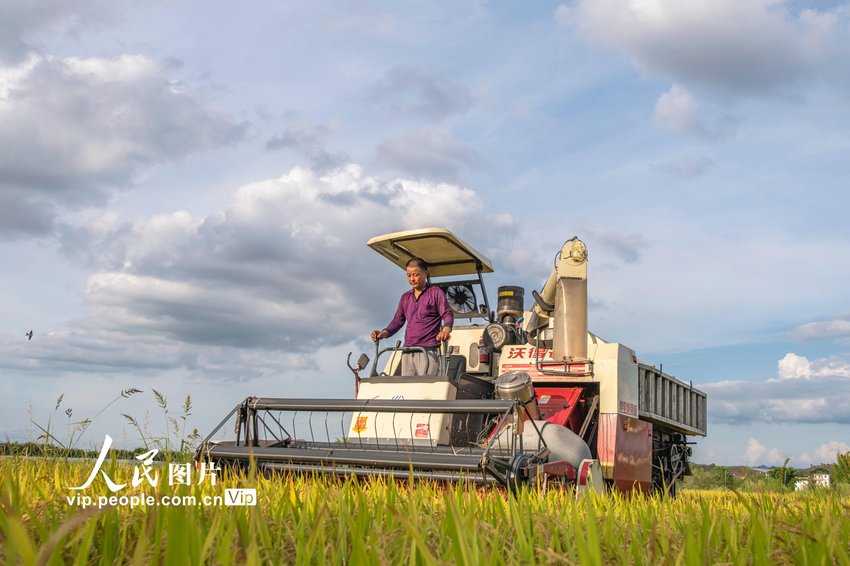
(445, 253)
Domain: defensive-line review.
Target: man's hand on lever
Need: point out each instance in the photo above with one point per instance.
(444, 334)
(379, 335)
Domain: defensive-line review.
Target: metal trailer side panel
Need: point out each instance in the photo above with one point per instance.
(671, 403)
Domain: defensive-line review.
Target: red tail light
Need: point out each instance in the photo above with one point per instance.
(483, 353)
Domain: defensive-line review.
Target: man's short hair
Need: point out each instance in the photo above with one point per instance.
(418, 262)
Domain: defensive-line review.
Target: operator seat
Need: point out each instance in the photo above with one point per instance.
(456, 367)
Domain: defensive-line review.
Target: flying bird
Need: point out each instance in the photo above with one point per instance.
(28, 335)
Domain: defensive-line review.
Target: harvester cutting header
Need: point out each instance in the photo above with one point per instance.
(519, 396)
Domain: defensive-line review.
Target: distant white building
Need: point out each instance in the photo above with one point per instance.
(815, 480)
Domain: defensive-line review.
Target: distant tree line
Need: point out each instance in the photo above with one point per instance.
(48, 450)
(780, 478)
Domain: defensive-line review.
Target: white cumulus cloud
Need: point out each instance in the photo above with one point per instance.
(757, 453)
(677, 111)
(23, 21)
(837, 327)
(793, 366)
(816, 391)
(430, 153)
(825, 453)
(75, 129)
(283, 270)
(739, 46)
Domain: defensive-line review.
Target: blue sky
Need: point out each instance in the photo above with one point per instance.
(186, 189)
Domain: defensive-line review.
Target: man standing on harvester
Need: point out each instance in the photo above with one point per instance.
(429, 321)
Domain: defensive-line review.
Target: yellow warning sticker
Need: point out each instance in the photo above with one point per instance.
(359, 424)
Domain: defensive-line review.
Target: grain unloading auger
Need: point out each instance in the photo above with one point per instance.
(521, 395)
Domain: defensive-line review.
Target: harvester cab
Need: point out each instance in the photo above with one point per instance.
(520, 396)
(459, 270)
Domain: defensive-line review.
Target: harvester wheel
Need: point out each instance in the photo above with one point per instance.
(677, 458)
(517, 473)
(668, 467)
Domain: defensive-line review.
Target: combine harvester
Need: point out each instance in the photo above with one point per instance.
(521, 396)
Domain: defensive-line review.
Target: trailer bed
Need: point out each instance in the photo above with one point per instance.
(669, 402)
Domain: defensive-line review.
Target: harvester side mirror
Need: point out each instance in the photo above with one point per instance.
(362, 361)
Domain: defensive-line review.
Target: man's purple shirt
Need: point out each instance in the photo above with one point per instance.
(423, 317)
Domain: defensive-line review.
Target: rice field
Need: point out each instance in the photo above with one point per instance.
(318, 521)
